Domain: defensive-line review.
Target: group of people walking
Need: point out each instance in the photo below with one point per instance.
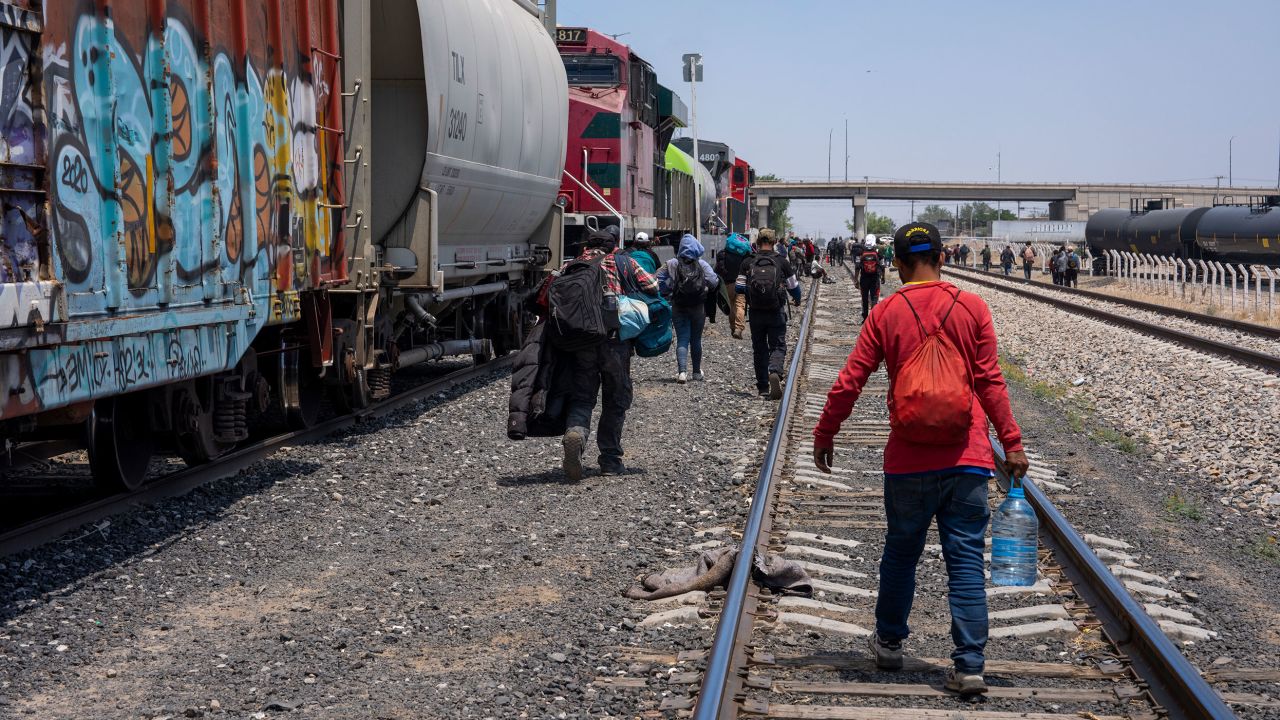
(937, 461)
(609, 304)
(1065, 266)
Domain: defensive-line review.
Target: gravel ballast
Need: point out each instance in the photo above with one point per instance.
(1252, 341)
(1168, 450)
(1213, 419)
(421, 566)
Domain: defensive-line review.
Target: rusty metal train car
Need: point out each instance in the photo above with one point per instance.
(217, 212)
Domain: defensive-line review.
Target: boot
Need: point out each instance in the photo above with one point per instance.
(575, 441)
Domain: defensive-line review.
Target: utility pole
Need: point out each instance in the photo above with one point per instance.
(846, 151)
(830, 134)
(999, 180)
(1217, 189)
(1231, 174)
(693, 76)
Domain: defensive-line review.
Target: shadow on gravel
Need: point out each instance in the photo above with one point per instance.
(93, 552)
(555, 476)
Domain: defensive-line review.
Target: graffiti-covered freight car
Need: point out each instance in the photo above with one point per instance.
(217, 211)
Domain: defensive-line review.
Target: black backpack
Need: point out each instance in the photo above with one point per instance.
(1073, 261)
(764, 283)
(728, 264)
(690, 288)
(870, 262)
(576, 299)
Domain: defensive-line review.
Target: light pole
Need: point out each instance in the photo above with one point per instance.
(830, 134)
(846, 151)
(999, 180)
(1231, 175)
(693, 76)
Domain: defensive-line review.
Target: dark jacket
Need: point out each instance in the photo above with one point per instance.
(540, 386)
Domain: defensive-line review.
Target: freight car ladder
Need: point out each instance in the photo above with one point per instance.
(27, 285)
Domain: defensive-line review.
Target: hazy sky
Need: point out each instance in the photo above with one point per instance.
(1115, 91)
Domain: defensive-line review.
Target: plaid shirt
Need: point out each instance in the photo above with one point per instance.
(645, 282)
(612, 283)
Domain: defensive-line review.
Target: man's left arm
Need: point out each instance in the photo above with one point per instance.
(867, 355)
(792, 282)
(647, 283)
(993, 394)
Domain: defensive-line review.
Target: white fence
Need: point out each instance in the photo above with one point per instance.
(1236, 287)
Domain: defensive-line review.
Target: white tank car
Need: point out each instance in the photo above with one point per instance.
(469, 100)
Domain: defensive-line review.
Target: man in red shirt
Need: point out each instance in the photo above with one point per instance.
(923, 482)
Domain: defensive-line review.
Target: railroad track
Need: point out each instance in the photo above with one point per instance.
(789, 657)
(49, 527)
(1061, 298)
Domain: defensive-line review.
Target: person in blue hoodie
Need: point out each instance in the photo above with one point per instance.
(687, 279)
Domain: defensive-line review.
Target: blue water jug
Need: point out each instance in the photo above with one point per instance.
(1014, 539)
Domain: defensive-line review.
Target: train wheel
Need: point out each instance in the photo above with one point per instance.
(349, 390)
(196, 435)
(120, 441)
(300, 389)
(510, 338)
(479, 330)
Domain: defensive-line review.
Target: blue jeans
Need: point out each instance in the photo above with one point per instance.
(688, 323)
(959, 501)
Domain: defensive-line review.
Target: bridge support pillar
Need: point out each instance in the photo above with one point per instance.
(860, 217)
(1058, 210)
(762, 212)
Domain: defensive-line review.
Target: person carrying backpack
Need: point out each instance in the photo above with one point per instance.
(1060, 266)
(868, 271)
(1028, 262)
(939, 348)
(688, 280)
(736, 249)
(886, 256)
(986, 257)
(1006, 260)
(582, 328)
(763, 283)
(639, 250)
(796, 256)
(1071, 276)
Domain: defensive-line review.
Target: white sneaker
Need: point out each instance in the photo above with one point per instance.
(964, 683)
(682, 378)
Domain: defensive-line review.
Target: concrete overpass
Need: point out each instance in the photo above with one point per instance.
(1067, 201)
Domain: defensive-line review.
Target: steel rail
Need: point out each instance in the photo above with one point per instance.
(1270, 363)
(53, 526)
(1171, 679)
(1225, 323)
(716, 698)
